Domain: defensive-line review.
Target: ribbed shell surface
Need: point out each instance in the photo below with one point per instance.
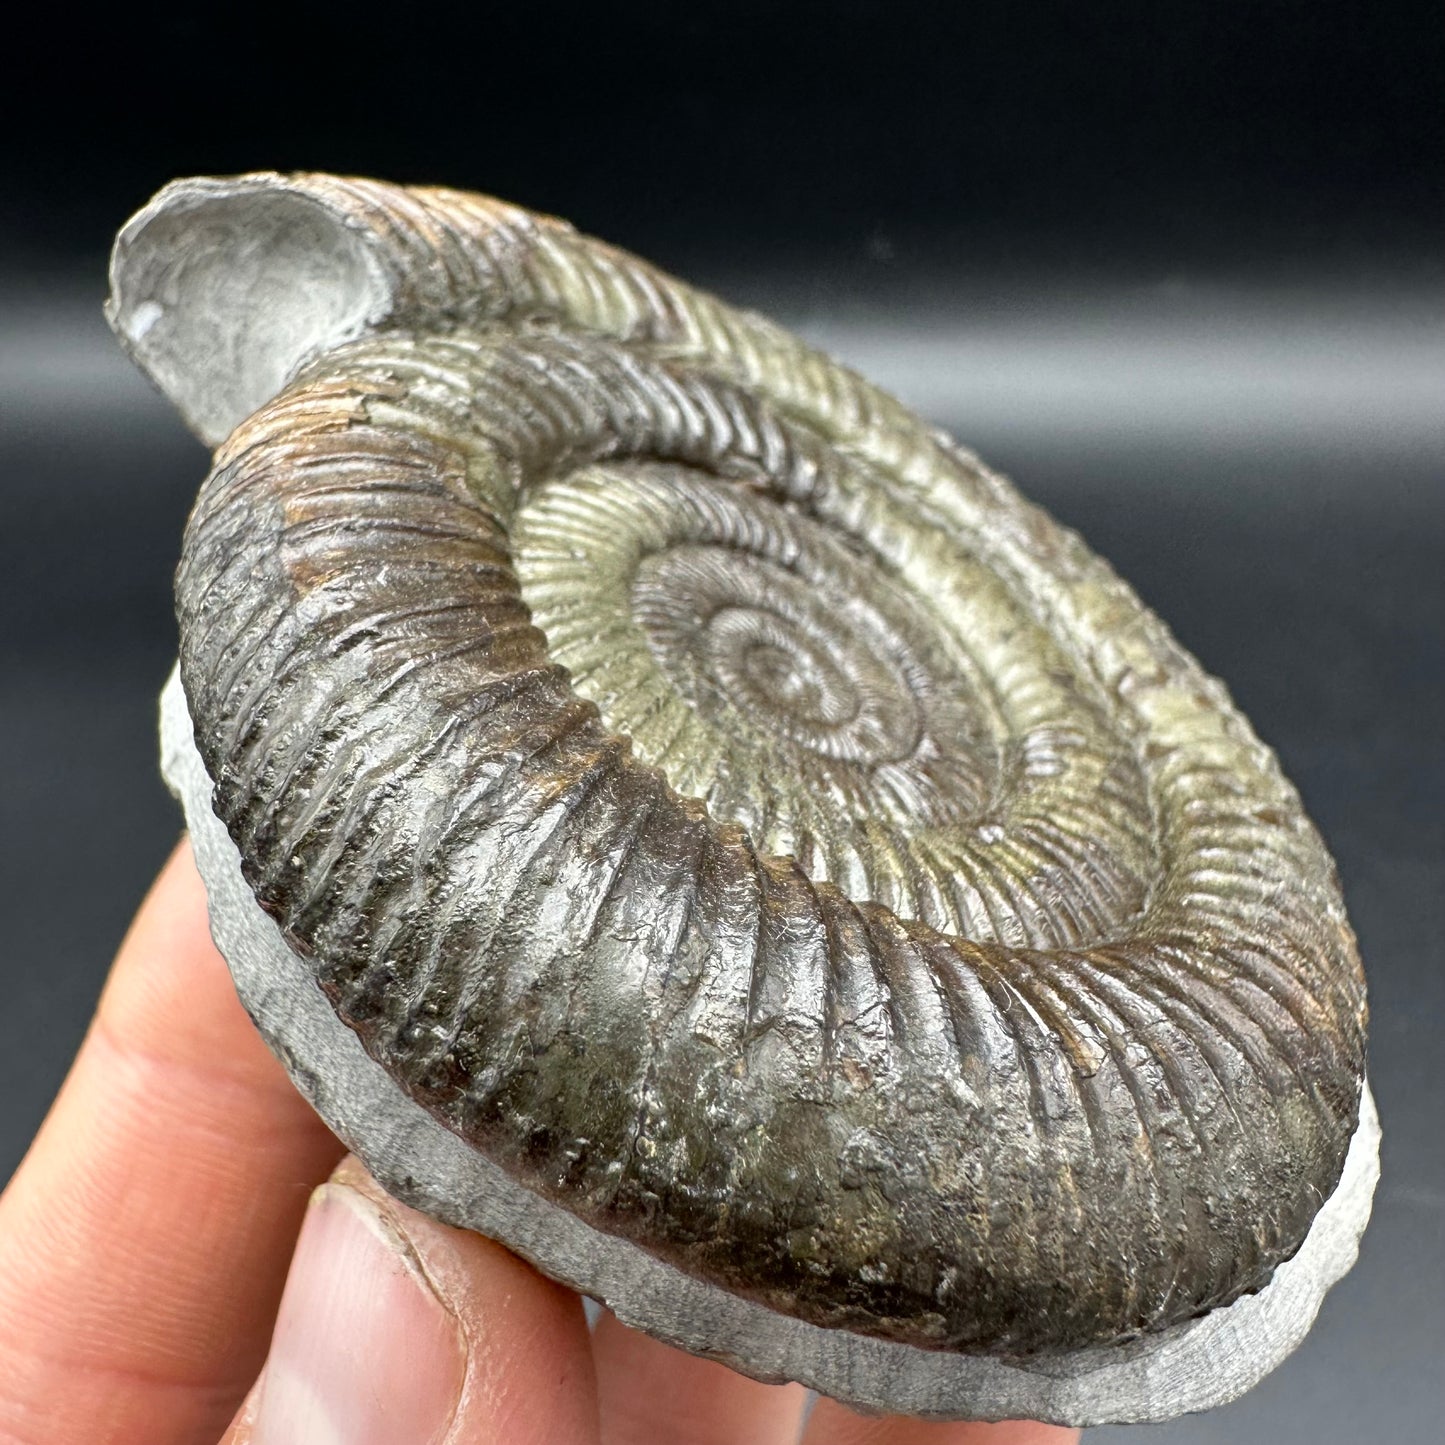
(735, 811)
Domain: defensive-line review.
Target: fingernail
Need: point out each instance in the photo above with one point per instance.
(364, 1352)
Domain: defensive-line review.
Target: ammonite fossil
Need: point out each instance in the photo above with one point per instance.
(674, 811)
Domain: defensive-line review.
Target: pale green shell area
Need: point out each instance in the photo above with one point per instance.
(911, 734)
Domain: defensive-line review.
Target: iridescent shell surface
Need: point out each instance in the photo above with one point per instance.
(725, 804)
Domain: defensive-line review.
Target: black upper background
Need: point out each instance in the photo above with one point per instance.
(1278, 129)
(899, 162)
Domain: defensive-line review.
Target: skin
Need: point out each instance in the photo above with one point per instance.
(147, 1237)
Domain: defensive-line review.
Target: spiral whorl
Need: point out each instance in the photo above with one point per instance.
(736, 812)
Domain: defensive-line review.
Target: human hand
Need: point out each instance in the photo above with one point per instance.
(147, 1236)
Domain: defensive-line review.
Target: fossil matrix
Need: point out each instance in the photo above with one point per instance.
(676, 813)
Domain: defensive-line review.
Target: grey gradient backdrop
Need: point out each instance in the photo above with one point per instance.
(1175, 269)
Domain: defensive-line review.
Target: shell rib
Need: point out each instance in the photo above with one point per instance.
(725, 804)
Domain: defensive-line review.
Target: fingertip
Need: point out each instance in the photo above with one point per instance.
(833, 1424)
(365, 1350)
(648, 1392)
(389, 1315)
(239, 1431)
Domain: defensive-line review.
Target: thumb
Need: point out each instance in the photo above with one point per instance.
(396, 1328)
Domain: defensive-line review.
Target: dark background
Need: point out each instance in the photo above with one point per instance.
(1176, 268)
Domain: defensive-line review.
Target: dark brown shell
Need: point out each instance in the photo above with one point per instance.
(732, 809)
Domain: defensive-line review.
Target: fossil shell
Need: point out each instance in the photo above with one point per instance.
(725, 806)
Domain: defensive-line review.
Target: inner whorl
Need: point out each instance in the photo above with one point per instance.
(736, 812)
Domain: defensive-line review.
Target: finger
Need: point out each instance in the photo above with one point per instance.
(650, 1393)
(144, 1238)
(241, 1428)
(833, 1424)
(394, 1327)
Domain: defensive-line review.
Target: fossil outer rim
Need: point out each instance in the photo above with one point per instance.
(1122, 944)
(1193, 1366)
